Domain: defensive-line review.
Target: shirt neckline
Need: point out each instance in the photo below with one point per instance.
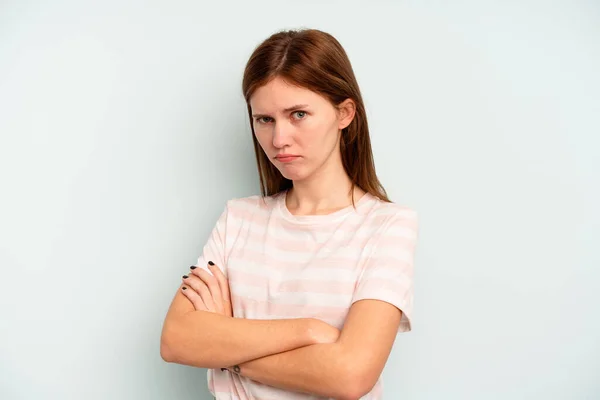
(321, 218)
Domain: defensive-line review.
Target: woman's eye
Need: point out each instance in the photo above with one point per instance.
(301, 114)
(261, 120)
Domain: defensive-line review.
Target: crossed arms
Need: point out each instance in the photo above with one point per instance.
(302, 355)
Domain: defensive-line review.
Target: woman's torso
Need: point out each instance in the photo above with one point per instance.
(282, 266)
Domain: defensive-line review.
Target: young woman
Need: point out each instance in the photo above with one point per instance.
(299, 293)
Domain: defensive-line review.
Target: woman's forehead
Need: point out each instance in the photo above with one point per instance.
(280, 96)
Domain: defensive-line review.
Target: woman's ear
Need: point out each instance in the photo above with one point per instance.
(346, 111)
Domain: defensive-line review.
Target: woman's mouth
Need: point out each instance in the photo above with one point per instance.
(285, 158)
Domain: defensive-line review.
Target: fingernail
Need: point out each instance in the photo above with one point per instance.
(185, 277)
(211, 263)
(183, 288)
(193, 267)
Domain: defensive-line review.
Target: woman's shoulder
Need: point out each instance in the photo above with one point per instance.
(252, 203)
(393, 210)
(393, 219)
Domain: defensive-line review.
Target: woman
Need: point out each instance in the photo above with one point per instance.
(299, 293)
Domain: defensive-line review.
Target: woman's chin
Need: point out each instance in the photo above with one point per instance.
(293, 175)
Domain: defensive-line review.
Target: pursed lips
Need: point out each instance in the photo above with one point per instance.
(286, 157)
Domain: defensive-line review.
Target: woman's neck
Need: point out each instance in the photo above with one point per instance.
(323, 193)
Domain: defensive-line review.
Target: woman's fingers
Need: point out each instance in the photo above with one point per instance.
(198, 286)
(224, 288)
(213, 287)
(193, 297)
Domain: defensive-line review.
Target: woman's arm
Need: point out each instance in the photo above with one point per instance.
(209, 340)
(347, 369)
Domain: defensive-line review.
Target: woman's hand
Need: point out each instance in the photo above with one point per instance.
(323, 333)
(209, 291)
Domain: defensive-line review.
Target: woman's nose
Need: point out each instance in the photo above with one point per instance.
(281, 135)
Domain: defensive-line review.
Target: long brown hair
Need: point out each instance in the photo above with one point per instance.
(315, 60)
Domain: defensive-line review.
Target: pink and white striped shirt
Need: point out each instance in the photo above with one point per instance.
(284, 266)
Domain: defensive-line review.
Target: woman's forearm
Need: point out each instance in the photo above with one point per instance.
(209, 340)
(320, 369)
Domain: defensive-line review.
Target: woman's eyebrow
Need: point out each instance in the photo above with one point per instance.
(288, 109)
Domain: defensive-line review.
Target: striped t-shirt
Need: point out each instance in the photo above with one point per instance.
(315, 266)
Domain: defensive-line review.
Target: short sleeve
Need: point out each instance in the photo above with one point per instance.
(214, 248)
(387, 274)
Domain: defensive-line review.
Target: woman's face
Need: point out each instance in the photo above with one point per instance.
(298, 129)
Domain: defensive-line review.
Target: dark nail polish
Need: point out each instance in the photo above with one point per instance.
(193, 267)
(185, 277)
(211, 263)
